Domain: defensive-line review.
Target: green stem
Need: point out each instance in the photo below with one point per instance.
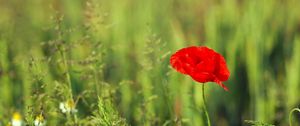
(291, 114)
(61, 49)
(67, 74)
(96, 80)
(68, 79)
(204, 106)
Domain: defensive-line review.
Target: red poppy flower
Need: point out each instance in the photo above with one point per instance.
(202, 64)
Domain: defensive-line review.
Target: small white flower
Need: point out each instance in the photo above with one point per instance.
(67, 107)
(39, 120)
(16, 119)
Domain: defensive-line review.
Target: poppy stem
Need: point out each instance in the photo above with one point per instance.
(204, 106)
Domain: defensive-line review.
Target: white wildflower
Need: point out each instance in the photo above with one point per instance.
(16, 119)
(40, 120)
(67, 107)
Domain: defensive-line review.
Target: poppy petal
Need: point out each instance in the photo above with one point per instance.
(223, 73)
(202, 64)
(202, 77)
(221, 84)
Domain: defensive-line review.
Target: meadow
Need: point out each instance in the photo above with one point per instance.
(107, 63)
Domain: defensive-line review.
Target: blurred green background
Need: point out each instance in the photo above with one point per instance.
(115, 56)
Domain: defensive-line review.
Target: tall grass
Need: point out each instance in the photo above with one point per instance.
(111, 59)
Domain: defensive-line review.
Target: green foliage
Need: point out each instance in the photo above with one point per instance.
(106, 115)
(110, 61)
(257, 123)
(291, 115)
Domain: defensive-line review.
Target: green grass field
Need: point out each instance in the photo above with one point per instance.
(106, 63)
